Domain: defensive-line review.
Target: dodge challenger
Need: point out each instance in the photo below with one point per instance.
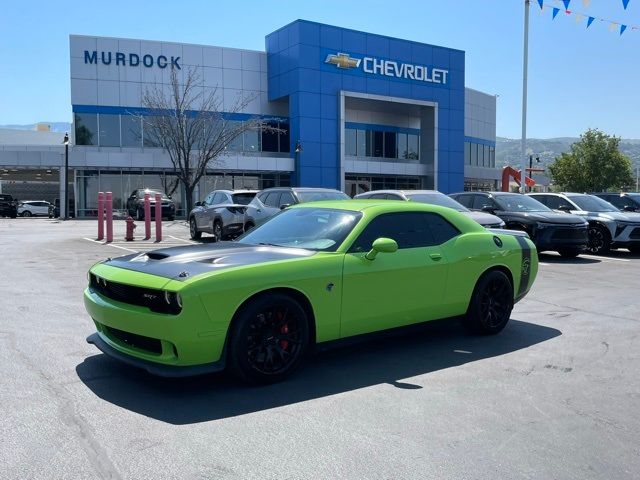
(314, 273)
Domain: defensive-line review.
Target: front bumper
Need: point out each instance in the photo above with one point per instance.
(561, 237)
(627, 236)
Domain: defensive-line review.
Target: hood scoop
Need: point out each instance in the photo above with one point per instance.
(156, 255)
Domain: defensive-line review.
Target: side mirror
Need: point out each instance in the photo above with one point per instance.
(565, 208)
(284, 205)
(381, 245)
(488, 208)
(198, 204)
(628, 208)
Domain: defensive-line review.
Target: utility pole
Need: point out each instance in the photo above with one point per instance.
(525, 62)
(66, 178)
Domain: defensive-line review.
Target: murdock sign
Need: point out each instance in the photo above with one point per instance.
(131, 59)
(389, 68)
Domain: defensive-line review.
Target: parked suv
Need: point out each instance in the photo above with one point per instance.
(135, 204)
(271, 200)
(608, 226)
(435, 198)
(626, 202)
(220, 214)
(35, 208)
(565, 234)
(8, 206)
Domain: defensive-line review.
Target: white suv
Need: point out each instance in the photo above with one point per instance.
(35, 208)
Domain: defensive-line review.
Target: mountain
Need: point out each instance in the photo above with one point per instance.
(508, 150)
(55, 126)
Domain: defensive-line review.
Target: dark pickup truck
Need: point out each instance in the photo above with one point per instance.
(8, 206)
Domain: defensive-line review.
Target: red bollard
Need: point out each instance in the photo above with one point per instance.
(131, 226)
(147, 216)
(109, 201)
(100, 215)
(158, 217)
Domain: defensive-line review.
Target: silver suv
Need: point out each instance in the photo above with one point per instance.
(220, 214)
(271, 200)
(608, 226)
(435, 198)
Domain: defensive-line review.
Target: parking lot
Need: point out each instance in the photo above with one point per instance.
(555, 395)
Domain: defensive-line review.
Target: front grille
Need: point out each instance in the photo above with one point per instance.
(143, 297)
(635, 234)
(141, 342)
(570, 234)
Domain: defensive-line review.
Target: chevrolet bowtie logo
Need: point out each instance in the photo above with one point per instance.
(343, 60)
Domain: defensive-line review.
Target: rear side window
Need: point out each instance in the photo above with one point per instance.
(287, 199)
(243, 198)
(544, 199)
(441, 229)
(480, 201)
(466, 200)
(272, 199)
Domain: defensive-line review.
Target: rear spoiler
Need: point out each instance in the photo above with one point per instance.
(504, 231)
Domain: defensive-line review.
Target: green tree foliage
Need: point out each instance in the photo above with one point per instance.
(594, 164)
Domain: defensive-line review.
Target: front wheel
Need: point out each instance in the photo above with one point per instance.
(193, 229)
(491, 304)
(598, 240)
(268, 340)
(26, 214)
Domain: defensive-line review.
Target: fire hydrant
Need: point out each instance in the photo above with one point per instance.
(131, 226)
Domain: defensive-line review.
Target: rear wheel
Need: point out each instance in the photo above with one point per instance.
(268, 340)
(193, 229)
(26, 213)
(599, 240)
(491, 304)
(569, 253)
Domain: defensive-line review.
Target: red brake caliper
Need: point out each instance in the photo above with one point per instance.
(284, 330)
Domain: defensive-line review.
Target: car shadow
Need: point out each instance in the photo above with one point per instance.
(579, 260)
(386, 360)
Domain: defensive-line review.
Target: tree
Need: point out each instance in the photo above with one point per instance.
(594, 164)
(190, 126)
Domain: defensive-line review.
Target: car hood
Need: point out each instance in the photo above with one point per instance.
(623, 217)
(484, 219)
(183, 263)
(550, 217)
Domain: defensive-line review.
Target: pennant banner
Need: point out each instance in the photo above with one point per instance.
(624, 4)
(590, 21)
(580, 16)
(541, 3)
(622, 29)
(566, 4)
(555, 12)
(613, 26)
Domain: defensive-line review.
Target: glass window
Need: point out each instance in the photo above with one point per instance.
(493, 157)
(402, 146)
(286, 199)
(554, 202)
(109, 130)
(318, 196)
(251, 141)
(590, 203)
(390, 145)
(284, 137)
(467, 153)
(413, 147)
(272, 199)
(474, 154)
(270, 139)
(350, 142)
(86, 128)
(369, 141)
(519, 203)
(464, 200)
(441, 229)
(361, 140)
(150, 135)
(408, 229)
(131, 131)
(480, 201)
(236, 144)
(378, 144)
(242, 198)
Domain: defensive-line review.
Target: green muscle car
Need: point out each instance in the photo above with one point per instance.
(314, 273)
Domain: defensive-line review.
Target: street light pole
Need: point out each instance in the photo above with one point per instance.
(66, 176)
(525, 65)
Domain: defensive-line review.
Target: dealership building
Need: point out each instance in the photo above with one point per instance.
(354, 111)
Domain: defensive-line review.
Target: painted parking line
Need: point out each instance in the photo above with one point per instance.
(110, 245)
(543, 263)
(598, 257)
(183, 240)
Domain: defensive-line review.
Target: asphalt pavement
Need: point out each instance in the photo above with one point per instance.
(555, 396)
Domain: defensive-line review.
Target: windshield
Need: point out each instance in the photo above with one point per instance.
(437, 198)
(520, 203)
(152, 194)
(591, 203)
(310, 228)
(318, 196)
(243, 198)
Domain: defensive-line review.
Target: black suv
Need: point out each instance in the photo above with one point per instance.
(563, 233)
(8, 206)
(627, 202)
(135, 204)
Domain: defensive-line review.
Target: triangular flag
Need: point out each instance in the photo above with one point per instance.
(624, 4)
(555, 12)
(612, 26)
(566, 4)
(622, 29)
(585, 3)
(541, 3)
(590, 21)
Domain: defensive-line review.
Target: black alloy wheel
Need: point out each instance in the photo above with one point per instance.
(491, 304)
(217, 230)
(598, 240)
(268, 340)
(26, 213)
(193, 229)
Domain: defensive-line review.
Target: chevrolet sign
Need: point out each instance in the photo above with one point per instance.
(390, 68)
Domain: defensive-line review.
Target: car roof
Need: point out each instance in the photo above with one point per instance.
(359, 205)
(241, 190)
(404, 192)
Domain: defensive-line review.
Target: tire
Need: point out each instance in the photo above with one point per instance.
(140, 214)
(171, 218)
(569, 253)
(193, 229)
(598, 240)
(248, 226)
(491, 304)
(26, 213)
(217, 230)
(634, 249)
(268, 339)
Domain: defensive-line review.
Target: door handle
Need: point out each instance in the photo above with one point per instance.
(436, 257)
(258, 210)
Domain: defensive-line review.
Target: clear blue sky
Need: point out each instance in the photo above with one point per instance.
(578, 78)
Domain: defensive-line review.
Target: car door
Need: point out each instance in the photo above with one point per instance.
(397, 288)
(211, 209)
(271, 205)
(199, 213)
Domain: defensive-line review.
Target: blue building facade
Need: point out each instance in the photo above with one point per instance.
(319, 68)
